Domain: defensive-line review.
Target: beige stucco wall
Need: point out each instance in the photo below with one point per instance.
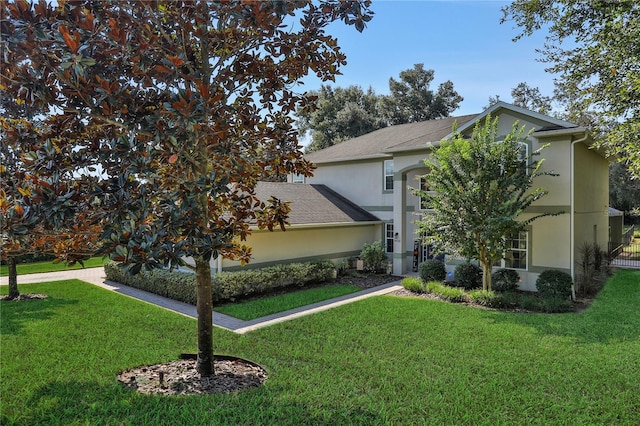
(591, 198)
(301, 244)
(362, 182)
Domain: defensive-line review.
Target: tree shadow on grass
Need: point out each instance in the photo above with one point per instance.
(74, 402)
(16, 314)
(613, 316)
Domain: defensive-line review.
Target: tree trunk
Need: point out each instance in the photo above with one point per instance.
(486, 275)
(13, 277)
(205, 318)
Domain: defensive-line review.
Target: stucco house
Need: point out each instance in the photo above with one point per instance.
(375, 172)
(322, 225)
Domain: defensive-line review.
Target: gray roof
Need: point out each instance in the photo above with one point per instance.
(381, 143)
(314, 204)
(415, 136)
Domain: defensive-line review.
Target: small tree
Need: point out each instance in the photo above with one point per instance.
(478, 188)
(167, 114)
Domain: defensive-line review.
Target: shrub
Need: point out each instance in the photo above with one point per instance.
(451, 294)
(432, 270)
(553, 283)
(414, 284)
(374, 257)
(554, 305)
(175, 285)
(485, 298)
(181, 286)
(594, 269)
(468, 276)
(505, 280)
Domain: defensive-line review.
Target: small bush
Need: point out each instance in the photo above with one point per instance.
(505, 280)
(485, 298)
(554, 305)
(468, 276)
(374, 257)
(414, 284)
(432, 270)
(552, 283)
(451, 294)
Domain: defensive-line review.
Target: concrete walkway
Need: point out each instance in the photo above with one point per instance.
(97, 277)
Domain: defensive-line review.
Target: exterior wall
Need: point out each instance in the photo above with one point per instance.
(591, 206)
(302, 244)
(550, 238)
(362, 182)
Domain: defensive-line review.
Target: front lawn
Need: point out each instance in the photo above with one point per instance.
(49, 266)
(382, 360)
(263, 306)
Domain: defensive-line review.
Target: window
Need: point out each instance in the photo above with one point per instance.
(425, 203)
(388, 175)
(516, 255)
(297, 178)
(523, 155)
(389, 237)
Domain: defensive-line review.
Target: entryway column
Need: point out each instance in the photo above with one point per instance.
(399, 225)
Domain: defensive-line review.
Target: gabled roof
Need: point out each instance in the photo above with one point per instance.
(381, 143)
(385, 142)
(314, 204)
(499, 106)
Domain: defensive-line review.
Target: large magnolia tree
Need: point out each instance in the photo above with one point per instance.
(166, 114)
(477, 189)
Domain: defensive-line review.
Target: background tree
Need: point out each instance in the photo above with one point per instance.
(411, 100)
(340, 114)
(343, 114)
(22, 222)
(478, 189)
(525, 96)
(174, 110)
(599, 70)
(624, 192)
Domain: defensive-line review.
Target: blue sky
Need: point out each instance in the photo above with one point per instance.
(462, 41)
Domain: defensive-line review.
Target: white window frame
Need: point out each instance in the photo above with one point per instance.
(423, 201)
(389, 237)
(298, 178)
(387, 173)
(504, 262)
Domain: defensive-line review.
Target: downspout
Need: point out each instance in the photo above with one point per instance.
(219, 262)
(572, 213)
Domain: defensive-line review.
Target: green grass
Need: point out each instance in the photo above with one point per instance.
(40, 267)
(260, 307)
(380, 361)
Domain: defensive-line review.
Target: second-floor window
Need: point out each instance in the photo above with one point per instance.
(425, 203)
(388, 175)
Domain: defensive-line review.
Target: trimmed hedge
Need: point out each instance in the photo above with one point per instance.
(552, 283)
(432, 270)
(227, 286)
(505, 280)
(468, 276)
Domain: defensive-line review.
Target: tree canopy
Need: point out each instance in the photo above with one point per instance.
(411, 99)
(525, 96)
(345, 113)
(594, 49)
(477, 188)
(163, 116)
(342, 113)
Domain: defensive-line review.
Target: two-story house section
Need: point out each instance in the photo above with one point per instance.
(376, 171)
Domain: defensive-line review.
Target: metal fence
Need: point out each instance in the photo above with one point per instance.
(625, 254)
